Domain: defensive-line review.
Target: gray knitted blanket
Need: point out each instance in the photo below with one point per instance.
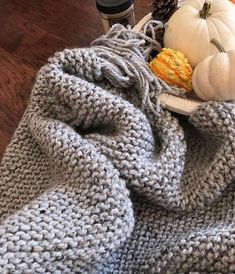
(101, 178)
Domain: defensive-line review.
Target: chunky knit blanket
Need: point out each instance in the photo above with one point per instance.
(101, 178)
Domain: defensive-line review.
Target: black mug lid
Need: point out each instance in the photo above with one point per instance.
(113, 6)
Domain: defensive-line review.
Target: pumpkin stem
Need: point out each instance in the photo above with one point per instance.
(204, 13)
(218, 45)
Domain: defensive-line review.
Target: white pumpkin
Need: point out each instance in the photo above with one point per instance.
(192, 26)
(213, 78)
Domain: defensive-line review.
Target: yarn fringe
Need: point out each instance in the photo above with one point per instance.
(124, 55)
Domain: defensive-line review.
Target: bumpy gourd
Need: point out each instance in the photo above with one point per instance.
(172, 67)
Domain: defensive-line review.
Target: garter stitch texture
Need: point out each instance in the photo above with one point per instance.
(100, 178)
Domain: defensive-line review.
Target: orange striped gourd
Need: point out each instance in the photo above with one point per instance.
(173, 67)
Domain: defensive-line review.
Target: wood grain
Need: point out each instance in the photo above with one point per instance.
(30, 32)
(16, 81)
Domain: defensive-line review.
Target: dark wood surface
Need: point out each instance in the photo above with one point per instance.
(30, 32)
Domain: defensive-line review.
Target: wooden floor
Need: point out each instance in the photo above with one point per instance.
(31, 31)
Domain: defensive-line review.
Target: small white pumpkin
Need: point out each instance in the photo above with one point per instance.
(213, 78)
(192, 26)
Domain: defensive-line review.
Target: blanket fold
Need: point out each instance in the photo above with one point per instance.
(100, 178)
